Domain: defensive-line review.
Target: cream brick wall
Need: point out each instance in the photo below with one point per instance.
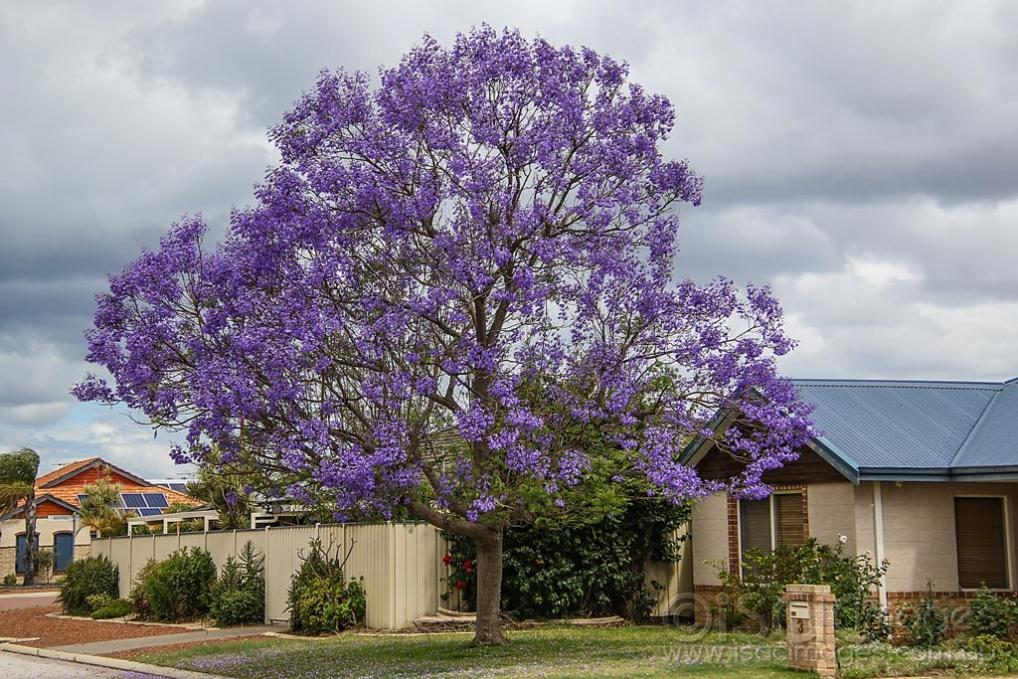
(831, 512)
(865, 543)
(919, 534)
(709, 541)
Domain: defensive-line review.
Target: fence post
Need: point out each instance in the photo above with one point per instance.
(268, 565)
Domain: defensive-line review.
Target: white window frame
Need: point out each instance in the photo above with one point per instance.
(774, 522)
(1008, 540)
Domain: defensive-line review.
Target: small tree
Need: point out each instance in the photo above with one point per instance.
(100, 510)
(18, 471)
(238, 595)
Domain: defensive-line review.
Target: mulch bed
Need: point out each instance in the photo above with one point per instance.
(32, 622)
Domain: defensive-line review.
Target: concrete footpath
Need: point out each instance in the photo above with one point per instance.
(118, 645)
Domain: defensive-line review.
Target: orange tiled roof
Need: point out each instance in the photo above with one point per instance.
(69, 481)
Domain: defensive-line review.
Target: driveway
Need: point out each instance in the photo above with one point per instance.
(17, 666)
(12, 600)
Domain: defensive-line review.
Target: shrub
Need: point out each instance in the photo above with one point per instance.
(553, 571)
(321, 600)
(137, 597)
(991, 615)
(10, 579)
(43, 563)
(179, 588)
(758, 590)
(86, 577)
(238, 595)
(97, 601)
(115, 608)
(925, 623)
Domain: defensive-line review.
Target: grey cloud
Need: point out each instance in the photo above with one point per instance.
(832, 137)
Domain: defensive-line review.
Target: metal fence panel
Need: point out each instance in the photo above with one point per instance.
(401, 564)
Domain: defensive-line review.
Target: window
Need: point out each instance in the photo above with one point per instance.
(772, 522)
(981, 537)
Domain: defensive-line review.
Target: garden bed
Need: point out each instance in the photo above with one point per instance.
(42, 630)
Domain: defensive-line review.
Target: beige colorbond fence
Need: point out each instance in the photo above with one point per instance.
(401, 565)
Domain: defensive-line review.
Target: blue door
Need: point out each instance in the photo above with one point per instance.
(63, 548)
(19, 562)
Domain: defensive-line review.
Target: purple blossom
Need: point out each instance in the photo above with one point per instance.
(445, 275)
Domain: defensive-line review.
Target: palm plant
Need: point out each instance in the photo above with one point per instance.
(100, 509)
(17, 484)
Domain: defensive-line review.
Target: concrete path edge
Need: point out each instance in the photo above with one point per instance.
(112, 663)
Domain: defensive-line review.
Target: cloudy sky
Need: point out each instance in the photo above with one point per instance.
(860, 157)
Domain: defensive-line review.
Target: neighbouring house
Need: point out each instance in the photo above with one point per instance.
(922, 474)
(58, 497)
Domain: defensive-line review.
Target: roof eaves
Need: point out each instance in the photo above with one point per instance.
(830, 454)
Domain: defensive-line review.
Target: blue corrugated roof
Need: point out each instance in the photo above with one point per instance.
(994, 438)
(894, 427)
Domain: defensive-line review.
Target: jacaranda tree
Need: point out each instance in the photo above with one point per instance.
(448, 278)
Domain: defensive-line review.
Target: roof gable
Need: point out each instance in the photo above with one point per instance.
(75, 469)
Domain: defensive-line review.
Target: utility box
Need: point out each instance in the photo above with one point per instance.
(810, 623)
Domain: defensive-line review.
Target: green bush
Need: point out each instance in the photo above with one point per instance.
(238, 595)
(321, 600)
(137, 596)
(552, 571)
(179, 588)
(116, 608)
(97, 601)
(925, 623)
(758, 590)
(10, 579)
(991, 615)
(86, 577)
(43, 563)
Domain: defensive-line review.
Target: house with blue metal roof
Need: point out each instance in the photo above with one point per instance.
(922, 474)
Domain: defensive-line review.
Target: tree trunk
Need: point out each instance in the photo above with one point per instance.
(488, 629)
(30, 540)
(488, 543)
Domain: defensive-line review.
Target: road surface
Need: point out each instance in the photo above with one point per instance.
(28, 599)
(17, 666)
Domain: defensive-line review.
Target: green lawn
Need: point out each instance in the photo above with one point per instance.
(549, 652)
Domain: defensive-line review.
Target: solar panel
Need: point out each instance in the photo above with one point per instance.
(133, 500)
(82, 498)
(149, 511)
(179, 487)
(155, 499)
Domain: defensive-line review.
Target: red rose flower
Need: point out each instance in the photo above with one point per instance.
(468, 566)
(447, 559)
(461, 585)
